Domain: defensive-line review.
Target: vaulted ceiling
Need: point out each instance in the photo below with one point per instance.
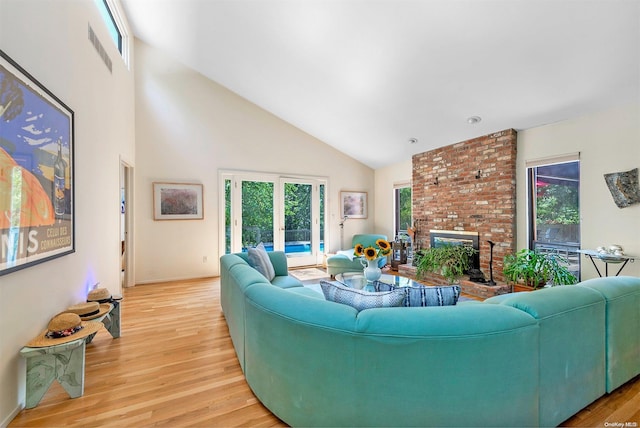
(366, 76)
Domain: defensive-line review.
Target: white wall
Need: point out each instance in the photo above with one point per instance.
(50, 40)
(187, 128)
(608, 142)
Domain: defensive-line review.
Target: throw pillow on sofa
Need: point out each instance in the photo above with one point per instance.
(359, 299)
(260, 261)
(445, 295)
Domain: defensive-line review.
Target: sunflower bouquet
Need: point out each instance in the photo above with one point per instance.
(380, 249)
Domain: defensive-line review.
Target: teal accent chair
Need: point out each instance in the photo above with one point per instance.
(341, 263)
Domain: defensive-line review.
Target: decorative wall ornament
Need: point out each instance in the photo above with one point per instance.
(624, 187)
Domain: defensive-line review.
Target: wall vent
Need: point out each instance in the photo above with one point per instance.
(99, 48)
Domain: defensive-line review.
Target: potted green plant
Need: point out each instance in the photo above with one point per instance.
(534, 269)
(559, 273)
(451, 261)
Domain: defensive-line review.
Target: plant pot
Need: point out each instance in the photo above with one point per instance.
(521, 286)
(517, 288)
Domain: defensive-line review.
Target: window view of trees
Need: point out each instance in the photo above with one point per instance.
(403, 211)
(557, 204)
(557, 208)
(257, 212)
(555, 212)
(297, 212)
(298, 215)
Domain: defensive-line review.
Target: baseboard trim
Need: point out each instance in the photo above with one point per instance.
(5, 423)
(162, 280)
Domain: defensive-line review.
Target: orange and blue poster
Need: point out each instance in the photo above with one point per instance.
(36, 171)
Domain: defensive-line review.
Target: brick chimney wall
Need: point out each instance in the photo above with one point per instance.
(448, 196)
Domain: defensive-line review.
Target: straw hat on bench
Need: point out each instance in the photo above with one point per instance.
(101, 295)
(88, 311)
(63, 328)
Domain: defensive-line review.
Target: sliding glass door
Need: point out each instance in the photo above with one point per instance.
(285, 214)
(302, 224)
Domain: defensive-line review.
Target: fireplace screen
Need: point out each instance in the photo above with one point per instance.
(439, 238)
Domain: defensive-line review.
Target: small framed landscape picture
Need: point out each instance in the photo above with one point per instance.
(177, 201)
(353, 204)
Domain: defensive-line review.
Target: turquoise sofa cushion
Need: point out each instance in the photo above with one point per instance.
(306, 291)
(571, 347)
(259, 260)
(446, 295)
(287, 281)
(622, 296)
(359, 299)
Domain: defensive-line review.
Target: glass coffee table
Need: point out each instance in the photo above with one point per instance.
(358, 281)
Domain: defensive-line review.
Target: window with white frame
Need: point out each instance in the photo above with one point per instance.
(554, 207)
(402, 214)
(107, 16)
(112, 18)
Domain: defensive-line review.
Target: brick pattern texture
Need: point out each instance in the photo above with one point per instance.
(469, 186)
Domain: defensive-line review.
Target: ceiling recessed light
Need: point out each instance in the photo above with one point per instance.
(413, 140)
(473, 120)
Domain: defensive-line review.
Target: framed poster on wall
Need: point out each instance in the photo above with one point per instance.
(36, 171)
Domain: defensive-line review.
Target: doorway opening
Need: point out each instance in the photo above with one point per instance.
(126, 225)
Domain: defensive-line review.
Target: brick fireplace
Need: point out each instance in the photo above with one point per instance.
(469, 186)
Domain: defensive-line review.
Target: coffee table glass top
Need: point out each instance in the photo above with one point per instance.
(357, 280)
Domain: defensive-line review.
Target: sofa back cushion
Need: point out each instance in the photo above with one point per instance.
(622, 296)
(571, 347)
(366, 239)
(360, 299)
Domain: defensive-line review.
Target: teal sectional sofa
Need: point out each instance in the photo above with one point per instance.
(526, 359)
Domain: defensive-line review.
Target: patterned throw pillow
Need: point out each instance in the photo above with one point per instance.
(445, 295)
(260, 261)
(359, 299)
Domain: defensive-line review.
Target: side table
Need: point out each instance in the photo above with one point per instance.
(607, 259)
(111, 321)
(63, 362)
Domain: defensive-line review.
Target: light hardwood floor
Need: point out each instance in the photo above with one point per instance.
(175, 366)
